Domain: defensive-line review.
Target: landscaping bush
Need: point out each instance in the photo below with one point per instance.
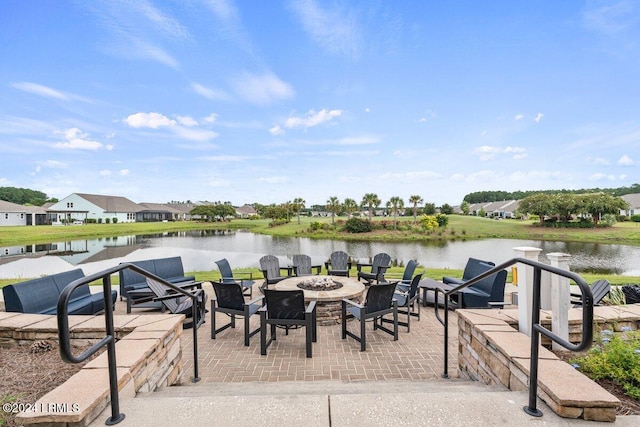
(635, 218)
(614, 357)
(443, 220)
(429, 222)
(107, 220)
(114, 220)
(357, 225)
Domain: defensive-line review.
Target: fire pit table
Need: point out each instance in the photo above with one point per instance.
(327, 291)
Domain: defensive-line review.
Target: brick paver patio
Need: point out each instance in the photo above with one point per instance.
(416, 355)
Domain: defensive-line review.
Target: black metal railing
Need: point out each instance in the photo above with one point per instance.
(64, 334)
(536, 327)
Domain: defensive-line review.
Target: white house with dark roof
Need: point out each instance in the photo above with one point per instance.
(634, 204)
(12, 213)
(80, 207)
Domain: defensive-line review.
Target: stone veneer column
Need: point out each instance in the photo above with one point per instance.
(560, 296)
(525, 286)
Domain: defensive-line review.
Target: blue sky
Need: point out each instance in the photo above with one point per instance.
(266, 101)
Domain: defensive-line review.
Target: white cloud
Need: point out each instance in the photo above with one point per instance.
(360, 140)
(600, 161)
(209, 93)
(149, 120)
(487, 152)
(312, 119)
(200, 135)
(211, 118)
(41, 90)
(105, 172)
(610, 18)
(53, 164)
(602, 177)
(334, 30)
(124, 172)
(186, 121)
(539, 117)
(274, 179)
(276, 130)
(626, 161)
(76, 140)
(262, 89)
(367, 110)
(519, 117)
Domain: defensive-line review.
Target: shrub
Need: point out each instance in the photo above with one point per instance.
(608, 220)
(443, 220)
(429, 222)
(635, 218)
(315, 226)
(614, 358)
(107, 220)
(357, 225)
(114, 220)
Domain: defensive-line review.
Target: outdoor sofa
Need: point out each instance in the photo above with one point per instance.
(40, 296)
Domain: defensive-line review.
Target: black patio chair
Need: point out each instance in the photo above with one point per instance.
(379, 302)
(302, 265)
(407, 302)
(338, 264)
(599, 290)
(407, 276)
(381, 262)
(177, 303)
(227, 277)
(230, 301)
(270, 267)
(287, 308)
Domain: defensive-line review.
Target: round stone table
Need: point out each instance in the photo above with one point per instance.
(328, 305)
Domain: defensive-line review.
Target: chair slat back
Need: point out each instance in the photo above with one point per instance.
(229, 295)
(599, 290)
(225, 271)
(380, 260)
(415, 282)
(160, 290)
(285, 304)
(271, 265)
(339, 260)
(302, 264)
(379, 297)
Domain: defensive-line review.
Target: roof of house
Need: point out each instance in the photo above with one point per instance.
(633, 200)
(11, 207)
(111, 203)
(246, 210)
(159, 207)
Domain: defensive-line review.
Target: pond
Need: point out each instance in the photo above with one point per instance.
(199, 250)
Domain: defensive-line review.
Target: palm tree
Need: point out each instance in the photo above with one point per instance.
(416, 200)
(395, 203)
(298, 205)
(350, 206)
(333, 206)
(370, 200)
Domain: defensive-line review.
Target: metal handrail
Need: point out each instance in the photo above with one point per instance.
(64, 334)
(536, 327)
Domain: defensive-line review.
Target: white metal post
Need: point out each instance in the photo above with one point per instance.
(560, 297)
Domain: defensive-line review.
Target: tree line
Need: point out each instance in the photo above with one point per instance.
(566, 205)
(496, 196)
(24, 196)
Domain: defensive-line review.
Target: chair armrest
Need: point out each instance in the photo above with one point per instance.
(353, 303)
(288, 269)
(255, 300)
(311, 307)
(359, 265)
(318, 268)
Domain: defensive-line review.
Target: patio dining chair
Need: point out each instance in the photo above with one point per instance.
(378, 302)
(407, 302)
(271, 270)
(407, 276)
(227, 277)
(230, 301)
(338, 264)
(381, 262)
(599, 290)
(287, 308)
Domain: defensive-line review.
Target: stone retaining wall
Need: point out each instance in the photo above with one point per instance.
(491, 350)
(148, 355)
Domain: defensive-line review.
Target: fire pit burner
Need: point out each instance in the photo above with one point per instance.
(319, 284)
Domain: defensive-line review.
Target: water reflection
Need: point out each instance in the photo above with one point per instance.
(199, 250)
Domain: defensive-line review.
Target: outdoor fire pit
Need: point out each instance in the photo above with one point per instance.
(319, 284)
